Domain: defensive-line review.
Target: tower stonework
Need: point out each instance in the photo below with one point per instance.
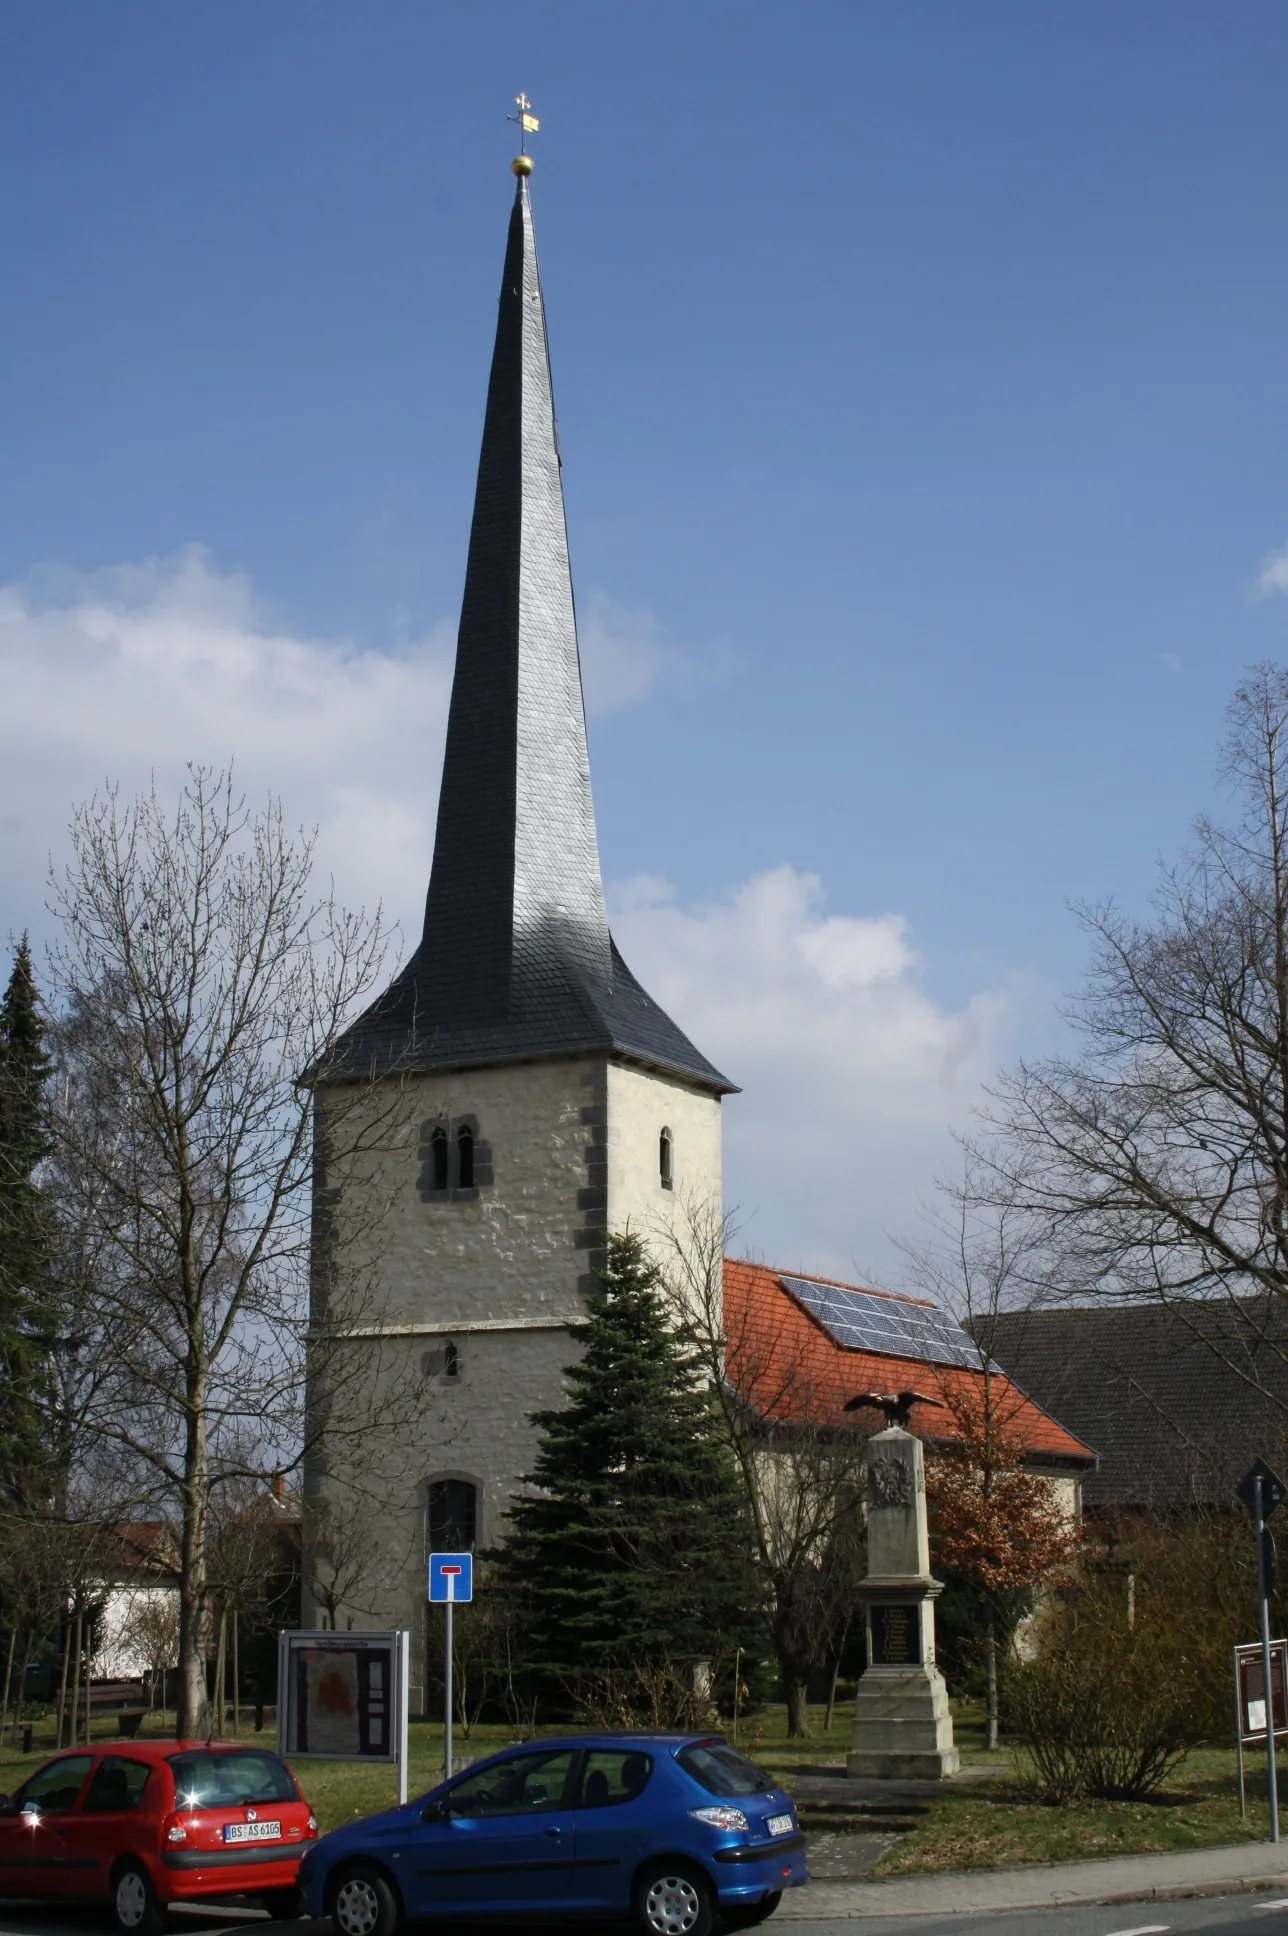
(535, 1096)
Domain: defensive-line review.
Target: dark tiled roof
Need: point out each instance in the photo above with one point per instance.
(516, 958)
(1149, 1388)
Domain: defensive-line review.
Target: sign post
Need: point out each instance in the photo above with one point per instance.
(343, 1697)
(1261, 1490)
(451, 1580)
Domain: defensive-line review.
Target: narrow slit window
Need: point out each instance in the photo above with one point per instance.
(465, 1156)
(438, 1158)
(451, 1360)
(666, 1160)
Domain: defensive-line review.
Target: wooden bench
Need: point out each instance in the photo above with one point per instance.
(125, 1699)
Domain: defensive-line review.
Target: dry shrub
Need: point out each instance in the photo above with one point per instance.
(1106, 1709)
(659, 1696)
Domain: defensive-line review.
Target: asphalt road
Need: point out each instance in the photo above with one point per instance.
(1225, 1916)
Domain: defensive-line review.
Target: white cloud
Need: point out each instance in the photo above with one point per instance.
(140, 669)
(851, 1073)
(626, 656)
(1273, 576)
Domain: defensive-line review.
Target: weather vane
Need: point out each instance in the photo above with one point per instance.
(528, 124)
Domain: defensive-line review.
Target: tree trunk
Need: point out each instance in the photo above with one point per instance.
(192, 1701)
(21, 1682)
(89, 1671)
(62, 1677)
(836, 1675)
(76, 1673)
(795, 1690)
(8, 1682)
(221, 1667)
(990, 1656)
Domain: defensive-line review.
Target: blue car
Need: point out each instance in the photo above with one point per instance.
(674, 1831)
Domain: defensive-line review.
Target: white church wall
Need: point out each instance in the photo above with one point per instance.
(640, 1105)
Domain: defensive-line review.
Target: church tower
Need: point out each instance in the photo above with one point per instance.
(549, 1098)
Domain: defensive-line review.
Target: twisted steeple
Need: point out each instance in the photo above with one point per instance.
(516, 959)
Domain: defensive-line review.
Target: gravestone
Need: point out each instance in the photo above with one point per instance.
(902, 1727)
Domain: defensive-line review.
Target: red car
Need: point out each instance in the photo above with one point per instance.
(148, 1823)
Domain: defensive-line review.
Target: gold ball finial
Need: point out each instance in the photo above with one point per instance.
(522, 164)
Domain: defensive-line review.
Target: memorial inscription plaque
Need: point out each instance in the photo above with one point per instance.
(896, 1636)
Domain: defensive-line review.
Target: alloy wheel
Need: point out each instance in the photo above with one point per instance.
(672, 1906)
(357, 1907)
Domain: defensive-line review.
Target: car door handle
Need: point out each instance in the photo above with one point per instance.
(554, 1833)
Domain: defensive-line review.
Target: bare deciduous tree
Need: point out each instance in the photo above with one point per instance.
(1157, 1159)
(342, 1556)
(802, 1464)
(200, 978)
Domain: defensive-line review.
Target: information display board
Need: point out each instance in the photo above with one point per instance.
(1250, 1678)
(1250, 1699)
(343, 1697)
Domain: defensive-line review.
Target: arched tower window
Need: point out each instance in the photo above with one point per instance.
(452, 1520)
(451, 1359)
(438, 1158)
(465, 1157)
(666, 1160)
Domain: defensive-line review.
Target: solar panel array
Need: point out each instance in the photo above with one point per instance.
(865, 1322)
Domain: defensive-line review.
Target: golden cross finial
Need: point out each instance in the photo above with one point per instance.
(528, 124)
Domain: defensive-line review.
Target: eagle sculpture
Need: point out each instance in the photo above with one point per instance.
(897, 1406)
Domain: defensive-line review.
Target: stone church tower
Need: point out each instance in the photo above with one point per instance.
(549, 1098)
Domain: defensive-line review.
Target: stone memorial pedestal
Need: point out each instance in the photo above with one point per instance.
(902, 1728)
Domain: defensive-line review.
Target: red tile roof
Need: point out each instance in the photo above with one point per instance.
(788, 1368)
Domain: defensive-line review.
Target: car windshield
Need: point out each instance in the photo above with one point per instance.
(206, 1780)
(722, 1770)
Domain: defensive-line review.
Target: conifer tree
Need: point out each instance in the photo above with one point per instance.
(632, 1549)
(24, 1228)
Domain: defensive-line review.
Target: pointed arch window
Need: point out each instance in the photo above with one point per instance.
(438, 1158)
(465, 1157)
(666, 1160)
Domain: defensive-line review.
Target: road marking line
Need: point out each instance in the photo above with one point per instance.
(1281, 1904)
(1145, 1929)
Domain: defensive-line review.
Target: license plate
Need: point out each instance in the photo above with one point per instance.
(253, 1832)
(780, 1824)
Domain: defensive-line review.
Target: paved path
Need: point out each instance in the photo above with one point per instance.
(1247, 1915)
(1118, 1878)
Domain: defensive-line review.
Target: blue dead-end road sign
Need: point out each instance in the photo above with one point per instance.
(451, 1576)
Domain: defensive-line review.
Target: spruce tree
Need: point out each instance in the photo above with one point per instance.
(631, 1550)
(24, 1231)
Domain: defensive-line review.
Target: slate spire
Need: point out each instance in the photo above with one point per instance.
(516, 958)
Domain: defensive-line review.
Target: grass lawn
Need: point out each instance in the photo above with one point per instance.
(997, 1824)
(993, 1823)
(339, 1790)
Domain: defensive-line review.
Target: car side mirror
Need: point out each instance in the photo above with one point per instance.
(434, 1812)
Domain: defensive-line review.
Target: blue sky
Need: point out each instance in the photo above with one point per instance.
(920, 384)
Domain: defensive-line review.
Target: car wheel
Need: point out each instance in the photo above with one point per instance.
(674, 1899)
(753, 1913)
(136, 1909)
(283, 1905)
(361, 1903)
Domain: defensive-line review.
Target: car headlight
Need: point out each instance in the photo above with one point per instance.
(723, 1817)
